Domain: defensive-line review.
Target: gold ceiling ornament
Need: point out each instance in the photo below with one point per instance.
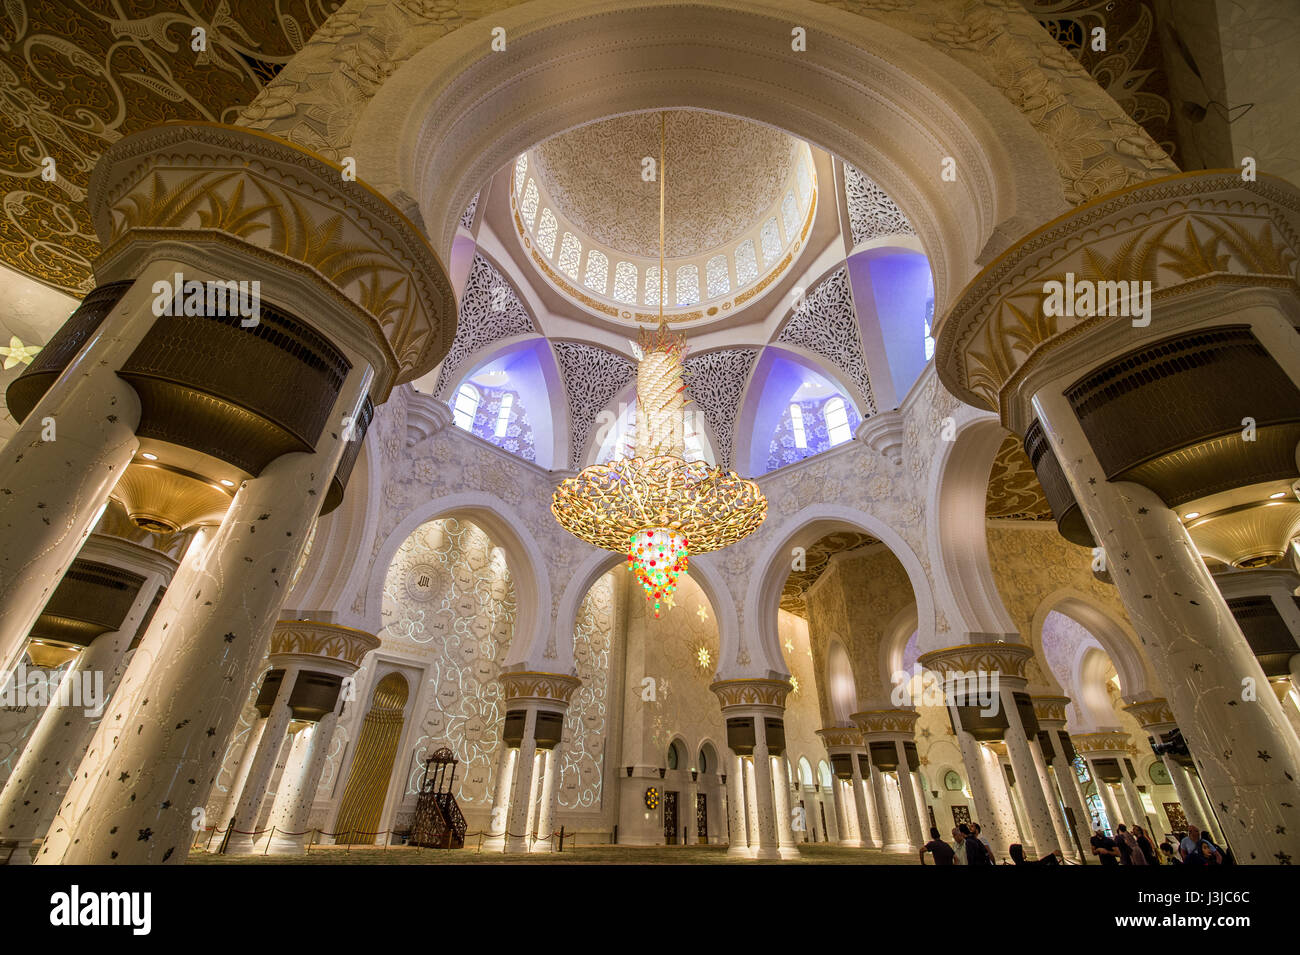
(656, 507)
(165, 500)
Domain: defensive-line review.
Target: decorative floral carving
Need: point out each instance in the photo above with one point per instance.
(871, 212)
(592, 377)
(826, 323)
(715, 381)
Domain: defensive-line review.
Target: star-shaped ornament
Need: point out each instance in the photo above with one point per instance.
(17, 353)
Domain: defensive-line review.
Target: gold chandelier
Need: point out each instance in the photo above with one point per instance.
(656, 507)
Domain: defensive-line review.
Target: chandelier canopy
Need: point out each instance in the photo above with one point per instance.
(656, 507)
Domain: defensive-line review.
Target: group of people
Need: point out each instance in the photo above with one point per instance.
(1193, 847)
(971, 848)
(1128, 847)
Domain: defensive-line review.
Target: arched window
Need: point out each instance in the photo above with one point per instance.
(597, 277)
(836, 415)
(521, 170)
(771, 239)
(746, 263)
(688, 285)
(570, 255)
(652, 285)
(790, 214)
(805, 181)
(796, 423)
(466, 407)
(625, 283)
(503, 414)
(546, 233)
(715, 272)
(528, 207)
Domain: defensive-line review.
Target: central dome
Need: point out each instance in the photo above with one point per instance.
(723, 174)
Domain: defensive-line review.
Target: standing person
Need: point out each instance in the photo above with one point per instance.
(1187, 846)
(979, 834)
(1210, 851)
(976, 852)
(1168, 854)
(958, 846)
(1130, 854)
(1145, 846)
(1104, 848)
(942, 852)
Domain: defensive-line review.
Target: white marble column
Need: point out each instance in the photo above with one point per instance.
(986, 809)
(53, 492)
(690, 835)
(751, 809)
(292, 810)
(292, 780)
(499, 822)
(252, 796)
(1137, 812)
(895, 840)
(546, 808)
(155, 754)
(907, 789)
(1107, 795)
(869, 828)
(738, 839)
(44, 770)
(523, 791)
(846, 813)
(1054, 802)
(1249, 754)
(1068, 780)
(1032, 797)
(781, 807)
(765, 801)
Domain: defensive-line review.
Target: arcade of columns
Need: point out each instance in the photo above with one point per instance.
(209, 404)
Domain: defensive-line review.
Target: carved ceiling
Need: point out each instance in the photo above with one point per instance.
(77, 75)
(723, 174)
(816, 559)
(1014, 492)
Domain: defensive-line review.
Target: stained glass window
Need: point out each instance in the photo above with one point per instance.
(625, 283)
(570, 255)
(790, 213)
(597, 276)
(652, 285)
(715, 272)
(546, 233)
(771, 238)
(746, 263)
(528, 207)
(503, 414)
(796, 422)
(688, 285)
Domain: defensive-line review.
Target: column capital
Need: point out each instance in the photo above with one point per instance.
(841, 739)
(1155, 716)
(224, 184)
(1050, 711)
(882, 725)
(1186, 231)
(1007, 659)
(751, 692)
(1103, 744)
(549, 691)
(337, 646)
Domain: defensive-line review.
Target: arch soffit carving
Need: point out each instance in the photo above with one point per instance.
(1115, 636)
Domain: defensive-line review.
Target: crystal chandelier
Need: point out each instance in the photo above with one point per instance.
(656, 507)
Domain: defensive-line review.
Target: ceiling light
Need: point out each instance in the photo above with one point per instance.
(148, 456)
(1276, 494)
(227, 483)
(1192, 516)
(656, 507)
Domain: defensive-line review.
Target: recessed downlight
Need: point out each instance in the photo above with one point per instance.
(227, 483)
(1192, 516)
(1276, 494)
(148, 455)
